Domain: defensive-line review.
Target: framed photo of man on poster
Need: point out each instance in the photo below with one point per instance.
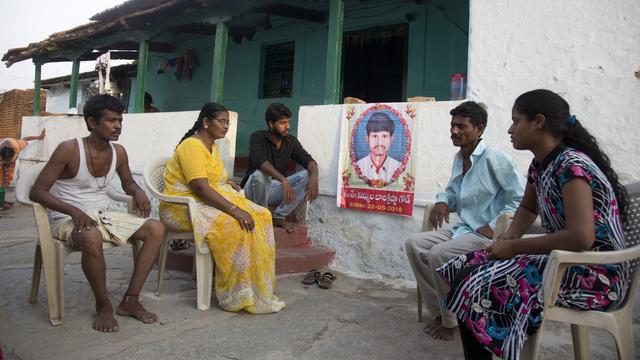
(378, 147)
(376, 156)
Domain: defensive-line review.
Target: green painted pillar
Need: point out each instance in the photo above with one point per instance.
(141, 75)
(36, 88)
(219, 58)
(334, 53)
(73, 91)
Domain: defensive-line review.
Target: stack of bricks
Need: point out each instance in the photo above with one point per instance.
(14, 104)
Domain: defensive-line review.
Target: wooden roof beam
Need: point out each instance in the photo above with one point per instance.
(130, 45)
(295, 12)
(197, 29)
(115, 55)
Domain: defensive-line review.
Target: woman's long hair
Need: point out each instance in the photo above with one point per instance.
(560, 123)
(209, 110)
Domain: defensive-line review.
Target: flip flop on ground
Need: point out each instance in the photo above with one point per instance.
(312, 277)
(326, 281)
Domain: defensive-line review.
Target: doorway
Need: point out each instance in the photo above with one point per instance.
(374, 64)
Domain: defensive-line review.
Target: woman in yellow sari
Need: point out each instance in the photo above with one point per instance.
(238, 232)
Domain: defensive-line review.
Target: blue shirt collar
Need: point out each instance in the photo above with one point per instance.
(477, 152)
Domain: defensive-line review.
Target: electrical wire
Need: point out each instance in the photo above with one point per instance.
(443, 10)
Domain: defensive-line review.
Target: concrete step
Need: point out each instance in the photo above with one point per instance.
(288, 260)
(298, 238)
(302, 259)
(292, 255)
(180, 260)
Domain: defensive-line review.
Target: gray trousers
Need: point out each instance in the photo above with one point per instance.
(427, 251)
(264, 191)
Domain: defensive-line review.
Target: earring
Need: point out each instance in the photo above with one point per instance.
(205, 126)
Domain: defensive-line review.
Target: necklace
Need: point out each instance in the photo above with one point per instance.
(104, 183)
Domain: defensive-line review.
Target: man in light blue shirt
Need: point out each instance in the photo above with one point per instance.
(484, 184)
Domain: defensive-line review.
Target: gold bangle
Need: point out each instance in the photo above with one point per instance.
(232, 208)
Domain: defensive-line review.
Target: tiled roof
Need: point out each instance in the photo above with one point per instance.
(130, 15)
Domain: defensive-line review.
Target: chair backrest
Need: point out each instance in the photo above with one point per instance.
(25, 182)
(632, 224)
(153, 175)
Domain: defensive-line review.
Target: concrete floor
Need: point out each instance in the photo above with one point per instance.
(356, 319)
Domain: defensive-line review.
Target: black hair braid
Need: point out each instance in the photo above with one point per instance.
(579, 138)
(196, 126)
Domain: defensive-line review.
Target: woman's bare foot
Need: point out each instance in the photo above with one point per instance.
(130, 306)
(287, 226)
(105, 321)
(443, 333)
(432, 324)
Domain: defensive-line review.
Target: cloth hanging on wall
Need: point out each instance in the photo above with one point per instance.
(182, 67)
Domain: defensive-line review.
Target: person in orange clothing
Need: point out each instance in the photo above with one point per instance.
(9, 149)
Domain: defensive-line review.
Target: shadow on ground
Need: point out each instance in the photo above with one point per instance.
(356, 319)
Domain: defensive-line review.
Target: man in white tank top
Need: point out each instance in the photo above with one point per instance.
(81, 169)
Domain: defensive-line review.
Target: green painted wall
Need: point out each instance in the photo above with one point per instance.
(436, 49)
(171, 94)
(241, 91)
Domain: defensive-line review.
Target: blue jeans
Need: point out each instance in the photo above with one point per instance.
(264, 190)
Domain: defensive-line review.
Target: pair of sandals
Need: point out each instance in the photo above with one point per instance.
(179, 244)
(325, 281)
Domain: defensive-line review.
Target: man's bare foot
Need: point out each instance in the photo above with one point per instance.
(432, 324)
(130, 306)
(283, 224)
(105, 321)
(443, 333)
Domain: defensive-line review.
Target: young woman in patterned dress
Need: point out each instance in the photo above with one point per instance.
(496, 293)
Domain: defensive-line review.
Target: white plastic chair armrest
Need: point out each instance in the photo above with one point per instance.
(560, 260)
(596, 257)
(127, 199)
(502, 224)
(426, 225)
(176, 199)
(41, 217)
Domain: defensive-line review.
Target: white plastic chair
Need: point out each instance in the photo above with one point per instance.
(618, 321)
(501, 226)
(153, 175)
(51, 252)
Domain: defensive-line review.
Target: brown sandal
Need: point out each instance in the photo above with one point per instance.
(326, 281)
(312, 277)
